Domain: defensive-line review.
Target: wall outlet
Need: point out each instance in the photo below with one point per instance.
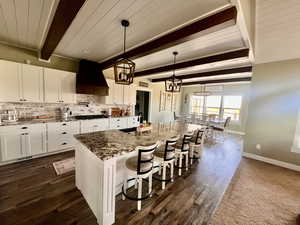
(258, 147)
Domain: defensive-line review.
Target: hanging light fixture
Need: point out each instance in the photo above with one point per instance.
(173, 84)
(124, 68)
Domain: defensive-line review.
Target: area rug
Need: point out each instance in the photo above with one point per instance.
(64, 166)
(260, 194)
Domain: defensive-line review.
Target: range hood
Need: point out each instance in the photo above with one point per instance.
(90, 79)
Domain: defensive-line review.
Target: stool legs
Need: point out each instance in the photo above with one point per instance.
(192, 154)
(140, 189)
(180, 164)
(164, 176)
(186, 162)
(125, 188)
(172, 171)
(150, 183)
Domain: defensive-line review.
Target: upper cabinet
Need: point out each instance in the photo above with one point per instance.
(120, 94)
(9, 82)
(20, 82)
(31, 87)
(60, 86)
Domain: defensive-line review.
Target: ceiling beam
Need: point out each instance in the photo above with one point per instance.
(209, 73)
(218, 81)
(184, 34)
(64, 15)
(195, 62)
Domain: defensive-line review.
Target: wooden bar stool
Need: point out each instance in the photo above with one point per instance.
(182, 148)
(164, 156)
(139, 168)
(197, 145)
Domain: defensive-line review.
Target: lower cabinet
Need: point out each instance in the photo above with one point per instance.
(118, 123)
(18, 142)
(60, 135)
(95, 125)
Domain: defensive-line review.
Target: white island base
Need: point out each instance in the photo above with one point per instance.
(99, 181)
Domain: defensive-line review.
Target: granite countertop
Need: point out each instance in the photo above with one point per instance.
(52, 120)
(108, 144)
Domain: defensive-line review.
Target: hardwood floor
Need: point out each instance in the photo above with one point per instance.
(32, 194)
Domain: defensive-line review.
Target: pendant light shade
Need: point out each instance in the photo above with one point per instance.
(124, 68)
(173, 84)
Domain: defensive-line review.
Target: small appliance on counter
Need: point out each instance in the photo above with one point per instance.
(9, 116)
(66, 113)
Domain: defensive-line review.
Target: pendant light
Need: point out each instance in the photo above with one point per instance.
(173, 84)
(124, 68)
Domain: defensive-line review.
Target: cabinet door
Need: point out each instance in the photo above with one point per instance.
(68, 87)
(52, 85)
(9, 81)
(32, 83)
(11, 146)
(35, 140)
(118, 94)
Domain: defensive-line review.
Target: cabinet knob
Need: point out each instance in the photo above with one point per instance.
(64, 132)
(24, 128)
(64, 143)
(64, 124)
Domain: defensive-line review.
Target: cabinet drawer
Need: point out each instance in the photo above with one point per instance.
(94, 125)
(118, 123)
(133, 121)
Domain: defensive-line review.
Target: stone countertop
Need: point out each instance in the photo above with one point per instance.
(108, 144)
(52, 120)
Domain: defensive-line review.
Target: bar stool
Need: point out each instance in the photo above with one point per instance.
(196, 145)
(182, 148)
(139, 168)
(164, 156)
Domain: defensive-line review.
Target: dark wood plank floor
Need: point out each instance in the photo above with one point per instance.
(32, 194)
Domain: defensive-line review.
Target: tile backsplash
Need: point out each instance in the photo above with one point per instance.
(30, 110)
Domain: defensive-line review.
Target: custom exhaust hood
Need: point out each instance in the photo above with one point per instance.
(90, 79)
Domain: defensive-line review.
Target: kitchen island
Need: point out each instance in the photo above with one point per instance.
(100, 160)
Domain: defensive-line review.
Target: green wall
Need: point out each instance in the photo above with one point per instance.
(20, 55)
(273, 109)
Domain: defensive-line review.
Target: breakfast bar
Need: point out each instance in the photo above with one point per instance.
(100, 160)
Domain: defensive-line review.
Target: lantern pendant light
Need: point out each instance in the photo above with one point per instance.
(173, 84)
(124, 68)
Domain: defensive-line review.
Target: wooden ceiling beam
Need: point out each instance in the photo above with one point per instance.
(184, 34)
(195, 62)
(64, 15)
(209, 73)
(231, 80)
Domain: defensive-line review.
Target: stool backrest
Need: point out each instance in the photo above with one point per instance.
(169, 153)
(185, 142)
(227, 121)
(145, 158)
(198, 137)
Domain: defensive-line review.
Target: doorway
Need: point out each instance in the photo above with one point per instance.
(142, 105)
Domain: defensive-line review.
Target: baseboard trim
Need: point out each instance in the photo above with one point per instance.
(235, 132)
(272, 161)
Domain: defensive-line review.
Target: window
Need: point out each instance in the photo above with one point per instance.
(232, 106)
(197, 103)
(213, 104)
(221, 106)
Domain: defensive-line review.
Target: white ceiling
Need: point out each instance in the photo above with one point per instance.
(96, 32)
(277, 30)
(24, 22)
(220, 41)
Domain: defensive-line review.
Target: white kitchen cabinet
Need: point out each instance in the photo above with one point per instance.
(133, 121)
(60, 86)
(60, 135)
(9, 81)
(109, 100)
(95, 125)
(18, 142)
(20, 82)
(118, 94)
(118, 123)
(130, 94)
(31, 83)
